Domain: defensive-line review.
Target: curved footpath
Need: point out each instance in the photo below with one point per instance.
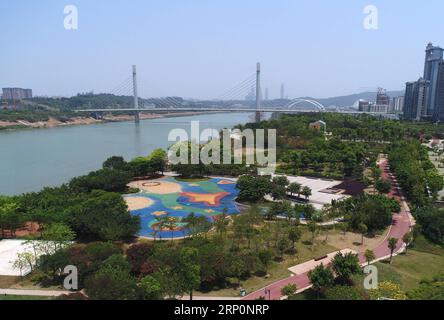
(402, 223)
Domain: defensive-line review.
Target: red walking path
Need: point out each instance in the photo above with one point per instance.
(402, 222)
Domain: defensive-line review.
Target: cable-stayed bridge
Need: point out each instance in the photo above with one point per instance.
(243, 97)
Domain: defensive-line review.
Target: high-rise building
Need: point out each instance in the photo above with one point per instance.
(434, 56)
(439, 97)
(382, 99)
(16, 94)
(415, 100)
(364, 106)
(398, 104)
(283, 91)
(266, 93)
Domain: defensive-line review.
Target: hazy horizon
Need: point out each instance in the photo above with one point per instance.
(199, 49)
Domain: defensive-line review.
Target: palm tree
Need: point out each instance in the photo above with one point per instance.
(407, 238)
(306, 191)
(312, 227)
(295, 187)
(171, 224)
(392, 242)
(369, 256)
(362, 228)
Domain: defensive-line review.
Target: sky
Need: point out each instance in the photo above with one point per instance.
(200, 48)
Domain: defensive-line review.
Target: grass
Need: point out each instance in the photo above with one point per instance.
(424, 261)
(278, 270)
(7, 281)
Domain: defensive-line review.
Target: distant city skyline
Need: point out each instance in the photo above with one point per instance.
(199, 49)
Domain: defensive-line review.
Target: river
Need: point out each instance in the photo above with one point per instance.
(32, 159)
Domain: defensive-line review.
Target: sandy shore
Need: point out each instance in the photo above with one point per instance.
(52, 122)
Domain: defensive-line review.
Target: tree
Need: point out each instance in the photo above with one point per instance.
(383, 186)
(151, 288)
(137, 255)
(115, 163)
(104, 179)
(282, 246)
(362, 229)
(369, 256)
(375, 211)
(321, 278)
(431, 220)
(158, 160)
(265, 256)
(59, 234)
(104, 216)
(112, 281)
(9, 217)
(392, 242)
(295, 188)
(189, 270)
(289, 290)
(281, 181)
(280, 208)
(24, 260)
(278, 192)
(252, 188)
(407, 239)
(221, 223)
(345, 266)
(312, 227)
(294, 235)
(171, 224)
(306, 191)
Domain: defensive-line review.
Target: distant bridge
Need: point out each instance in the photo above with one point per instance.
(173, 105)
(221, 110)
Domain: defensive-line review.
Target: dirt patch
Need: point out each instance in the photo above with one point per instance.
(30, 228)
(352, 240)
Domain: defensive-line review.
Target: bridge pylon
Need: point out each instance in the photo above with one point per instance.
(258, 93)
(136, 99)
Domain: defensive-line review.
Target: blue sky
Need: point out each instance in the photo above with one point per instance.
(199, 48)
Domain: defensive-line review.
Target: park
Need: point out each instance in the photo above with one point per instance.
(149, 229)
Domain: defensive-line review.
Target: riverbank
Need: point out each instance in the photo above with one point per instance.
(53, 122)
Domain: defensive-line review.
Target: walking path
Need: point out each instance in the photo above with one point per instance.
(30, 292)
(402, 222)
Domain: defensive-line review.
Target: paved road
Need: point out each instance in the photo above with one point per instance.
(402, 223)
(26, 292)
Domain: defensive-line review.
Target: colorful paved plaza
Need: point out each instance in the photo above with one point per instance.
(168, 197)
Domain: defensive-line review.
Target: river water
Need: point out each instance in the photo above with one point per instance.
(32, 159)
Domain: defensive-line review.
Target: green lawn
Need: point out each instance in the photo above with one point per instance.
(278, 270)
(424, 261)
